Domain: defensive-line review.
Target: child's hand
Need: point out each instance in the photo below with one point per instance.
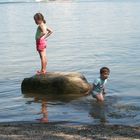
(104, 93)
(89, 90)
(87, 93)
(49, 32)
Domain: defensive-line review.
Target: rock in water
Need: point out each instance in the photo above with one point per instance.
(56, 83)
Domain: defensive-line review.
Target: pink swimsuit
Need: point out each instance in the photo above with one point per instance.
(41, 44)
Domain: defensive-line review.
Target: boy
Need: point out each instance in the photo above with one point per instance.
(98, 87)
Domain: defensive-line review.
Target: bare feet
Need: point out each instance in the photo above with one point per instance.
(41, 72)
(43, 120)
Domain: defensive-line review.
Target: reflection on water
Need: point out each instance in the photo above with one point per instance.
(45, 98)
(87, 36)
(85, 109)
(44, 111)
(98, 111)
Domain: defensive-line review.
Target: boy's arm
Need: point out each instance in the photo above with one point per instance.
(104, 91)
(92, 86)
(90, 89)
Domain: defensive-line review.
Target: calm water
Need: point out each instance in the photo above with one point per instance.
(87, 36)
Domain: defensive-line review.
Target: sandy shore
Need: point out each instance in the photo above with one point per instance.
(65, 131)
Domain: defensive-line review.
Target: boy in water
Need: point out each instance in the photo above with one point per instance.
(98, 87)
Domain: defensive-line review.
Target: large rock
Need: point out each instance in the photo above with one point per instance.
(56, 83)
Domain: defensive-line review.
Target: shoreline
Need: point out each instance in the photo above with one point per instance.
(66, 131)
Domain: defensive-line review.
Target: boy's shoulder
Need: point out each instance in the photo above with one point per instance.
(105, 81)
(97, 80)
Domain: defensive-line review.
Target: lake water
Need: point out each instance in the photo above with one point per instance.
(87, 36)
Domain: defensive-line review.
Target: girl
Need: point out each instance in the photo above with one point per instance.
(41, 34)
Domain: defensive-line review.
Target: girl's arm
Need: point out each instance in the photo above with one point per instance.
(43, 31)
(49, 32)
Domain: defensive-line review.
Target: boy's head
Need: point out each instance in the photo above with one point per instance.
(104, 72)
(39, 18)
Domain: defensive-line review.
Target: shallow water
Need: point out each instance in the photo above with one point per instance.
(87, 36)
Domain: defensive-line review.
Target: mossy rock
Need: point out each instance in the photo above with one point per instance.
(56, 83)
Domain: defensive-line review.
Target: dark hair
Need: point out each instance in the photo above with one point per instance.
(104, 69)
(39, 16)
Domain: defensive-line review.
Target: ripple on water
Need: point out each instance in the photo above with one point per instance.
(107, 37)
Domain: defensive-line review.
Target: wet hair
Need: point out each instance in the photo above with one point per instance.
(104, 69)
(39, 16)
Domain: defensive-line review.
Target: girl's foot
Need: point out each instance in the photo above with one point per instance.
(41, 72)
(38, 72)
(43, 120)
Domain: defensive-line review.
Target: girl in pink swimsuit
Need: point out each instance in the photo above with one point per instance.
(41, 34)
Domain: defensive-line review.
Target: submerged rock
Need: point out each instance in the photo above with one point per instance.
(56, 83)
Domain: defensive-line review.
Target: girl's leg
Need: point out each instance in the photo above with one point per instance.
(100, 97)
(44, 111)
(43, 58)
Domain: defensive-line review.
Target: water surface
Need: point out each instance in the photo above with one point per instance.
(87, 36)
